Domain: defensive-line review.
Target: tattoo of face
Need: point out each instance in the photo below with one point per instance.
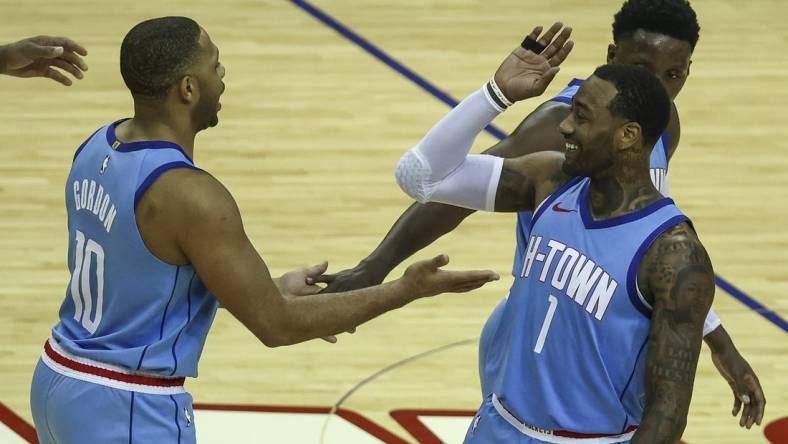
(680, 282)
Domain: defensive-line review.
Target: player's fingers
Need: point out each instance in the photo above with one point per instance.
(736, 405)
(57, 76)
(471, 284)
(438, 261)
(44, 52)
(548, 36)
(323, 278)
(466, 277)
(330, 339)
(65, 42)
(559, 42)
(745, 410)
(310, 290)
(559, 57)
(759, 400)
(75, 60)
(317, 269)
(65, 66)
(535, 33)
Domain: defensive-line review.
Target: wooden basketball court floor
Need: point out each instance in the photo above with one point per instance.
(310, 130)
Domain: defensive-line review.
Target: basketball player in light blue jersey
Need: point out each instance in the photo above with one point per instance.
(659, 35)
(604, 322)
(156, 245)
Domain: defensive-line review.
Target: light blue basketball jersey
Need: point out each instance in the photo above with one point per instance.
(575, 328)
(123, 305)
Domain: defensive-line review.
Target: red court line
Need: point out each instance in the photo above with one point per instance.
(409, 420)
(17, 424)
(353, 417)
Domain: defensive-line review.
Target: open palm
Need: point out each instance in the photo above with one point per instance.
(524, 73)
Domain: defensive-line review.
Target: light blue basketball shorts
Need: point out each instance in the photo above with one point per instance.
(68, 409)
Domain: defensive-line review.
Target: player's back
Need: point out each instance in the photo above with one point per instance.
(124, 307)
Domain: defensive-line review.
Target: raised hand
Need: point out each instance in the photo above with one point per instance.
(39, 56)
(425, 278)
(526, 73)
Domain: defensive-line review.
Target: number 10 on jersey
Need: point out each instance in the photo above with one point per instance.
(81, 291)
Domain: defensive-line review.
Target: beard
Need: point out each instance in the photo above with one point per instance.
(206, 113)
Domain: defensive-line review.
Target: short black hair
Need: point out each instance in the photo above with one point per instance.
(641, 98)
(155, 53)
(674, 18)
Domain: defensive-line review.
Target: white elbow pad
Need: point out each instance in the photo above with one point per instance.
(472, 185)
(413, 174)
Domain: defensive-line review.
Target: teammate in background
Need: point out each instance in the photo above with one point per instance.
(659, 35)
(156, 244)
(601, 343)
(39, 56)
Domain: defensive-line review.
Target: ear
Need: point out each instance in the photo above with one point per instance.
(628, 136)
(611, 52)
(188, 89)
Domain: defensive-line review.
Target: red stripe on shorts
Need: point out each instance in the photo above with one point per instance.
(110, 374)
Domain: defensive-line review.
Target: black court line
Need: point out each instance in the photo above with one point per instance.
(411, 75)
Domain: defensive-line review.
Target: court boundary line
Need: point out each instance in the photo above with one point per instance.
(750, 302)
(391, 62)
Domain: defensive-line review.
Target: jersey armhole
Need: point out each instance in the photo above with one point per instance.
(633, 290)
(155, 174)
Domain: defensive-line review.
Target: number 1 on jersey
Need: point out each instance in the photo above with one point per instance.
(546, 324)
(80, 282)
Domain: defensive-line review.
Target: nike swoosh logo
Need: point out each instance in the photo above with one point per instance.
(561, 210)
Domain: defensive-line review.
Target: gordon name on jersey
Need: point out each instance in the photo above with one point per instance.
(574, 274)
(91, 196)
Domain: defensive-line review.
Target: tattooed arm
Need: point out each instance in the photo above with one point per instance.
(678, 280)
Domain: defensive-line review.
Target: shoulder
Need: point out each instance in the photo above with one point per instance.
(186, 197)
(677, 257)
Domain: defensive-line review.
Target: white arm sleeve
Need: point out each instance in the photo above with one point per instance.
(712, 322)
(439, 169)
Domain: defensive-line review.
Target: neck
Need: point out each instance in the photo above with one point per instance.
(623, 189)
(156, 121)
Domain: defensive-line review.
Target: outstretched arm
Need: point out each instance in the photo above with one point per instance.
(202, 221)
(678, 280)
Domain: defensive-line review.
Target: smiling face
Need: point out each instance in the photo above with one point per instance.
(589, 129)
(666, 57)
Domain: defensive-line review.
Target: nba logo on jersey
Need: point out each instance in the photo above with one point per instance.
(104, 166)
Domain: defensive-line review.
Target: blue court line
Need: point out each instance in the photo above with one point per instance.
(408, 73)
(752, 303)
(392, 63)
